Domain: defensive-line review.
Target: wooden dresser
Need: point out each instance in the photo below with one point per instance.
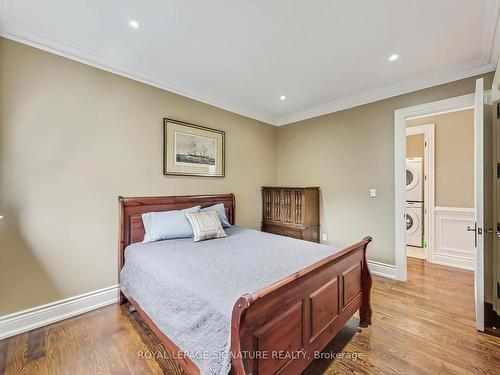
(291, 211)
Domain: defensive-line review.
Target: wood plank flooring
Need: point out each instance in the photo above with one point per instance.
(424, 326)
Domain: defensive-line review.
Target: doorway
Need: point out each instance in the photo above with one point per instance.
(420, 156)
(440, 201)
(475, 101)
(401, 118)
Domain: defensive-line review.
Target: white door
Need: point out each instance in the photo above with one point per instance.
(478, 197)
(496, 209)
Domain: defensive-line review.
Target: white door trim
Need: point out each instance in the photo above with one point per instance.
(479, 200)
(400, 117)
(495, 85)
(496, 205)
(429, 194)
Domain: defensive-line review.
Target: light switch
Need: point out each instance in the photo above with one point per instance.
(373, 193)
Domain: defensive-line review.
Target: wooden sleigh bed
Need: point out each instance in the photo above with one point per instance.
(299, 314)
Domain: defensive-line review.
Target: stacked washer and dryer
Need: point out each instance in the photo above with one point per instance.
(414, 202)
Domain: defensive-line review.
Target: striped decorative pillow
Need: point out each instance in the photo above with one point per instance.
(206, 225)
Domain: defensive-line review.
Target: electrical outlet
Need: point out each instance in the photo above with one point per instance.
(373, 193)
(324, 237)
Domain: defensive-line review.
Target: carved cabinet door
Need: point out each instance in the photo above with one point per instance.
(298, 207)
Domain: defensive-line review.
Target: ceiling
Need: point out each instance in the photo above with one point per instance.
(242, 55)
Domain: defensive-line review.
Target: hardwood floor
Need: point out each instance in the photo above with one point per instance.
(424, 326)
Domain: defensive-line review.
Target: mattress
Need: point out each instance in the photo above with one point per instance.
(189, 289)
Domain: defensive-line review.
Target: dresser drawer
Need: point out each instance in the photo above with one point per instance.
(282, 231)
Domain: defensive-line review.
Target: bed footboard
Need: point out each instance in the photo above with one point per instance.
(280, 328)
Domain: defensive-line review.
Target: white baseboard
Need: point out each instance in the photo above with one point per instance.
(382, 269)
(26, 320)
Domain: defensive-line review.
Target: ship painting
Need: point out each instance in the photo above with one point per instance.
(194, 150)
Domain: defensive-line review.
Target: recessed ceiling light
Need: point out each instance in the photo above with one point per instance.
(393, 57)
(134, 24)
(282, 97)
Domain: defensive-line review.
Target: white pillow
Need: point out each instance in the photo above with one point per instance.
(221, 212)
(167, 225)
(206, 225)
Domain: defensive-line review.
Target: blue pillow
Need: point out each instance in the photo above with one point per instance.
(167, 225)
(221, 213)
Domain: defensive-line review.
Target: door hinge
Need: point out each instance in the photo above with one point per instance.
(498, 170)
(425, 144)
(498, 110)
(498, 290)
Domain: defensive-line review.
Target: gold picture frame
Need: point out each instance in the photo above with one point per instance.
(192, 150)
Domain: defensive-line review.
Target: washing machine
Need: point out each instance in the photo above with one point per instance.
(414, 223)
(414, 180)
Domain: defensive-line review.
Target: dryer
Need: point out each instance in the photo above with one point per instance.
(414, 180)
(414, 223)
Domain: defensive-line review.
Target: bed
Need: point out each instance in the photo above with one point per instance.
(250, 303)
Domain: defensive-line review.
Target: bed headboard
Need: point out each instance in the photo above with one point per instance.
(131, 209)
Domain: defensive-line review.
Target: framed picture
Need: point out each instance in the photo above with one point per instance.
(192, 150)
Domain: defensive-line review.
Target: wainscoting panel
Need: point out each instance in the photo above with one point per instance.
(454, 245)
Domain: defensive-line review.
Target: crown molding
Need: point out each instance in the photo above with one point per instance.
(491, 30)
(43, 41)
(385, 93)
(489, 62)
(24, 34)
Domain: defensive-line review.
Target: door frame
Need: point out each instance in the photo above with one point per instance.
(400, 116)
(429, 176)
(495, 96)
(496, 205)
(479, 102)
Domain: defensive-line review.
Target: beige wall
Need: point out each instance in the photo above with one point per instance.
(73, 138)
(454, 157)
(348, 152)
(415, 146)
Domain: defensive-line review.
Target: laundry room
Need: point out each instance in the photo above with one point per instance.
(440, 188)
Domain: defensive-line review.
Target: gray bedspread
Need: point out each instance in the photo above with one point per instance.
(189, 289)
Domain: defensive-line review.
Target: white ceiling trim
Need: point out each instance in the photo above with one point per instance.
(34, 38)
(385, 93)
(495, 51)
(491, 42)
(26, 35)
(491, 56)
